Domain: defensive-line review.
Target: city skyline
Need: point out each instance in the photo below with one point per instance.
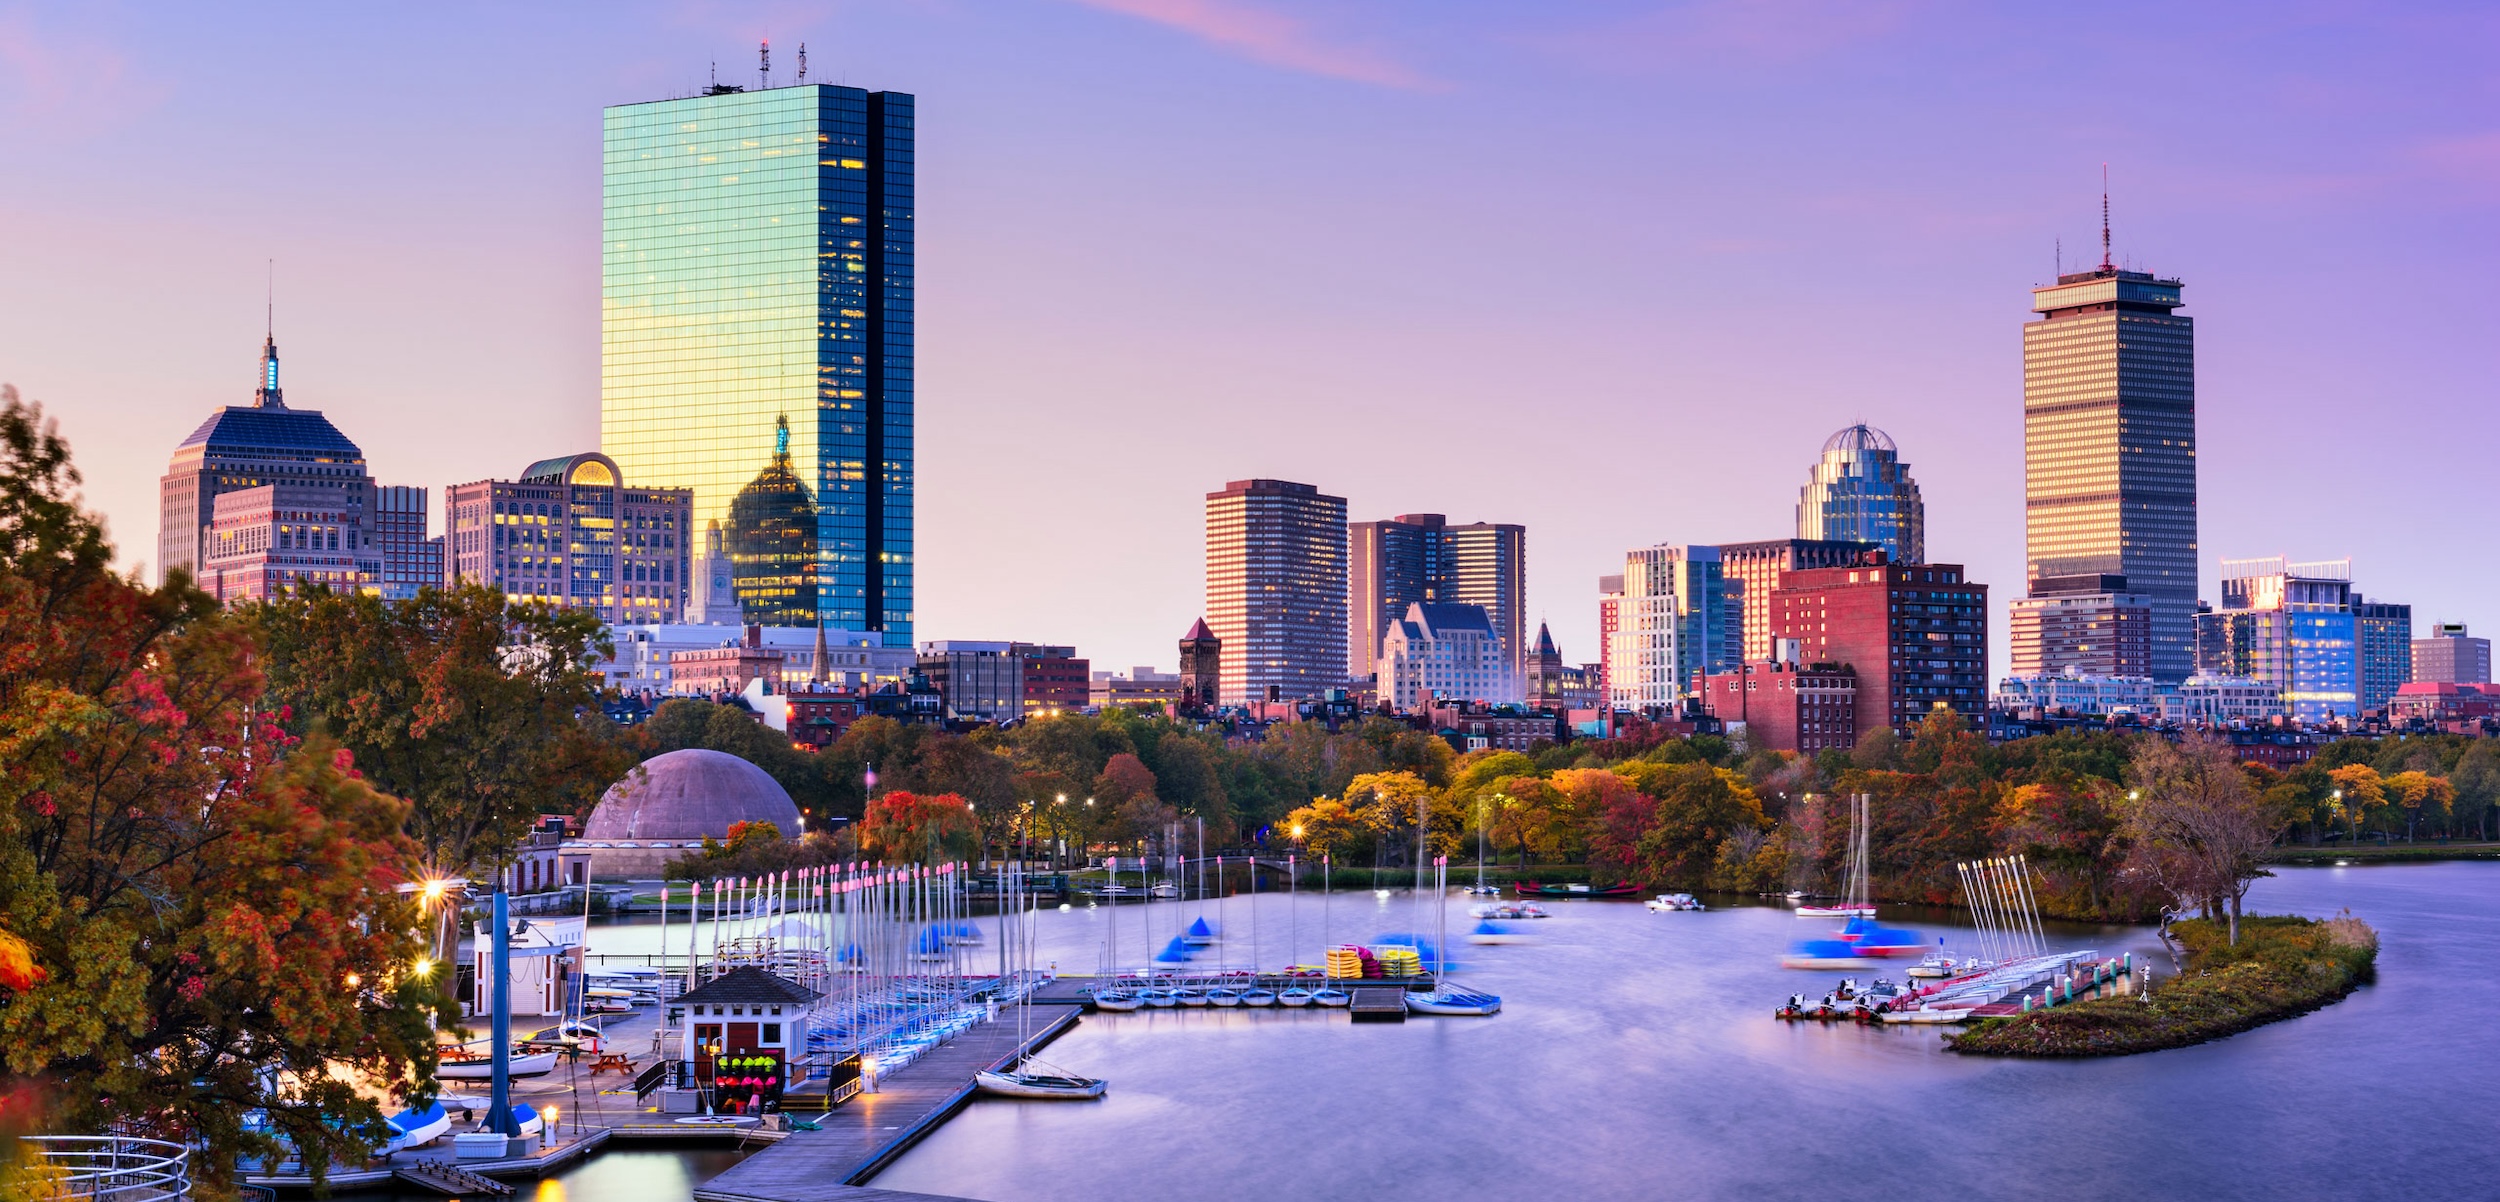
(1977, 204)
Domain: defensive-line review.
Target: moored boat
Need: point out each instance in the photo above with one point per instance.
(1525, 889)
(1258, 997)
(482, 1067)
(1927, 1016)
(1335, 998)
(1453, 999)
(1190, 997)
(1160, 999)
(1014, 1084)
(1223, 997)
(1295, 997)
(1674, 901)
(415, 1128)
(1116, 1000)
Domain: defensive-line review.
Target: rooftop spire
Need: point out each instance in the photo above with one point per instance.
(267, 396)
(819, 676)
(2105, 263)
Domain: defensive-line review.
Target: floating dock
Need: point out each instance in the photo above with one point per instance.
(866, 1133)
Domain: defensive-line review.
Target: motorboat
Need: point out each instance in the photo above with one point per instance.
(1332, 997)
(1934, 964)
(1190, 997)
(1164, 889)
(1018, 1084)
(1674, 901)
(1116, 1000)
(1295, 997)
(415, 1128)
(1926, 1016)
(1258, 997)
(1490, 933)
(1510, 910)
(1160, 999)
(1484, 890)
(1453, 999)
(1223, 997)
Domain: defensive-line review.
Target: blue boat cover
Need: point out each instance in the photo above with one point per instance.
(1200, 928)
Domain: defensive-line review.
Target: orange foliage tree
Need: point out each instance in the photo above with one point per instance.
(906, 828)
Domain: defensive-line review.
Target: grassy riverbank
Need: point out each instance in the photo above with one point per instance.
(2393, 853)
(2281, 967)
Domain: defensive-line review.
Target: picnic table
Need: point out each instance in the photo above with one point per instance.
(613, 1060)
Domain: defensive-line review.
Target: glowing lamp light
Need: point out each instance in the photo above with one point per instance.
(353, 980)
(424, 966)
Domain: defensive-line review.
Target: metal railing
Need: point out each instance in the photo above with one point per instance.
(109, 1168)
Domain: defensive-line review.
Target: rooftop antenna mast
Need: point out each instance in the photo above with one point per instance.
(2105, 264)
(802, 62)
(764, 72)
(269, 312)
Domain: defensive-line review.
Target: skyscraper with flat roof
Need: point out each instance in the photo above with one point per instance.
(756, 337)
(1276, 589)
(2109, 445)
(1413, 557)
(253, 446)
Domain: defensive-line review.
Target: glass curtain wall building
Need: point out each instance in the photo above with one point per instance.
(756, 337)
(1677, 617)
(1861, 492)
(2109, 445)
(1393, 564)
(2290, 626)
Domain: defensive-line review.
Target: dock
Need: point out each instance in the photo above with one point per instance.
(868, 1132)
(1378, 1003)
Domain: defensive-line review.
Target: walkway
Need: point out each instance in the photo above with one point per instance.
(866, 1133)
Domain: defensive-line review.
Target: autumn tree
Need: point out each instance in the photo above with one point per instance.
(2196, 824)
(208, 910)
(480, 711)
(912, 828)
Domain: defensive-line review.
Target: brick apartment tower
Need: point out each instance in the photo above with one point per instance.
(1917, 634)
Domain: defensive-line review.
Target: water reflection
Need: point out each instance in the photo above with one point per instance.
(1637, 1058)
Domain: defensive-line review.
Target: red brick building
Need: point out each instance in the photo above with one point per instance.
(1786, 707)
(1917, 634)
(1054, 679)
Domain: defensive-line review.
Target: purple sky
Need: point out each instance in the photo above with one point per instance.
(1613, 270)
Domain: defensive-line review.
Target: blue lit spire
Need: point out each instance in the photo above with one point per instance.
(267, 395)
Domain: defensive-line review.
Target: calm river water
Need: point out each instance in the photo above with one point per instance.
(1636, 1057)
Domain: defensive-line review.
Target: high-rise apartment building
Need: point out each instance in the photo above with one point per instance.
(1917, 634)
(571, 532)
(1276, 588)
(1753, 571)
(411, 559)
(1420, 557)
(1861, 492)
(1609, 623)
(2083, 625)
(1678, 618)
(2109, 445)
(2290, 626)
(251, 446)
(2451, 656)
(2383, 637)
(756, 338)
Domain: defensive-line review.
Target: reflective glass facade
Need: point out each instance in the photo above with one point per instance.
(2109, 445)
(756, 337)
(1276, 588)
(2291, 626)
(1414, 557)
(1862, 492)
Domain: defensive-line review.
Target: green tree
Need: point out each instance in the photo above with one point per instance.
(481, 712)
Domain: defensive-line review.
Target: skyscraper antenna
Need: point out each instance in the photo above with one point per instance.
(2061, 256)
(2105, 264)
(269, 313)
(764, 71)
(802, 62)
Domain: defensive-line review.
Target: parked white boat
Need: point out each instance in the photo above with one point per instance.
(1038, 1085)
(414, 1128)
(1295, 996)
(1223, 997)
(1258, 997)
(1190, 997)
(1674, 901)
(1160, 999)
(535, 1064)
(1935, 964)
(1926, 1016)
(1116, 1000)
(1333, 997)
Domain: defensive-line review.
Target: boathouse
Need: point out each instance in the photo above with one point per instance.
(741, 1033)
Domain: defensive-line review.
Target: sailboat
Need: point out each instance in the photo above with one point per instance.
(1445, 998)
(1480, 889)
(1112, 997)
(1017, 1079)
(1854, 902)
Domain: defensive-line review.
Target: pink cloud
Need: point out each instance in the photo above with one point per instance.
(1267, 37)
(1773, 31)
(70, 80)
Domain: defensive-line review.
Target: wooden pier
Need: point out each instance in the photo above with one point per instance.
(1378, 1003)
(865, 1134)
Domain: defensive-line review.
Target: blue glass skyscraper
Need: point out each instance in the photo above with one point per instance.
(1861, 492)
(756, 337)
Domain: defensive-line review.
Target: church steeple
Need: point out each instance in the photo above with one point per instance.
(267, 396)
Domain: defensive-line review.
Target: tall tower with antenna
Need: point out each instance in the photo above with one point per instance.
(2109, 462)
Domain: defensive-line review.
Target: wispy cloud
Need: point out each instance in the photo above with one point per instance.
(67, 79)
(1266, 36)
(1751, 31)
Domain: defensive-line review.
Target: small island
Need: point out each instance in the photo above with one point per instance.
(2281, 967)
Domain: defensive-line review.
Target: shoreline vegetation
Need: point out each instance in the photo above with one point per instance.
(2393, 853)
(2282, 967)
